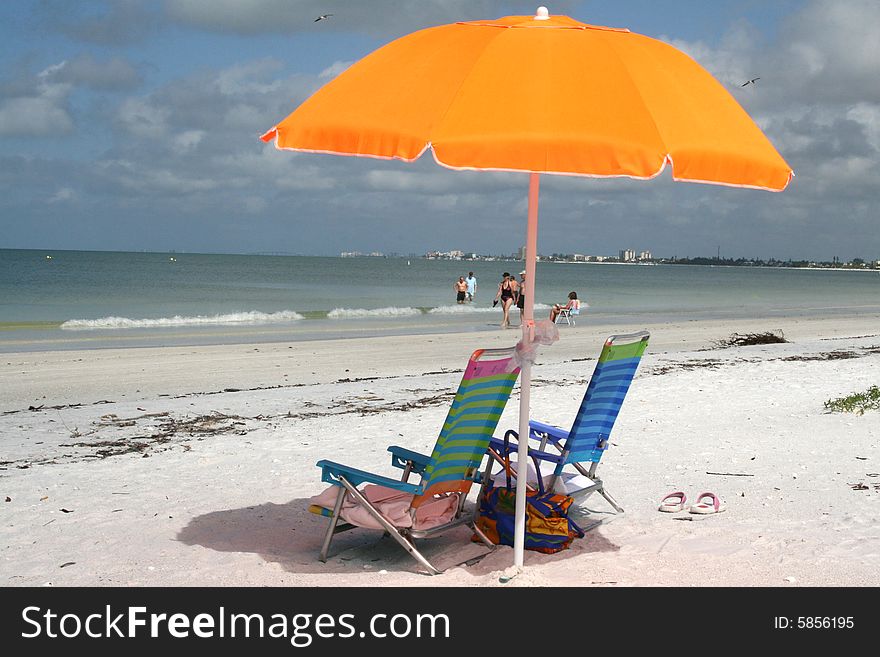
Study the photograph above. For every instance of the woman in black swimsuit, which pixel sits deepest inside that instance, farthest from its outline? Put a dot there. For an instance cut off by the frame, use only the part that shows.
(506, 294)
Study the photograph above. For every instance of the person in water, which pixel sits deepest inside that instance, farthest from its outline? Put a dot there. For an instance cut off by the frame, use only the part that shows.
(506, 295)
(521, 296)
(460, 287)
(471, 286)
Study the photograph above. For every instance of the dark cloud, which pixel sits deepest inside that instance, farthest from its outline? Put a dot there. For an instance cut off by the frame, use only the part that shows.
(106, 22)
(38, 104)
(376, 17)
(36, 107)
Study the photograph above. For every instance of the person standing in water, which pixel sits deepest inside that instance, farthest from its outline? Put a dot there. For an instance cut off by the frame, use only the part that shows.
(521, 297)
(460, 288)
(506, 293)
(471, 286)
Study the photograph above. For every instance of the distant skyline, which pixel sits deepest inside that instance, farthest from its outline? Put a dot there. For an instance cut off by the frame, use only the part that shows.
(133, 125)
(468, 255)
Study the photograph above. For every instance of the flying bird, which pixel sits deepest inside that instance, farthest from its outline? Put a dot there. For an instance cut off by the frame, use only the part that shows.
(748, 82)
(322, 17)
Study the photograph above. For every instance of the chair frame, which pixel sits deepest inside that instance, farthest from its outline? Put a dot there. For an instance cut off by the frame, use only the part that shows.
(547, 435)
(411, 462)
(568, 315)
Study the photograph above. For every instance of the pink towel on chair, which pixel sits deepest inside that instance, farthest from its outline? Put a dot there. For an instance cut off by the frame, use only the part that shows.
(392, 504)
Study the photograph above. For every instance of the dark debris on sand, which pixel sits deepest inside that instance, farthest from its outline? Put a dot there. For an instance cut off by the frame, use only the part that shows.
(749, 339)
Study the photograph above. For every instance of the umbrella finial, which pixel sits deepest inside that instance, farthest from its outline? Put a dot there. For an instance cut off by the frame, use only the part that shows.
(542, 14)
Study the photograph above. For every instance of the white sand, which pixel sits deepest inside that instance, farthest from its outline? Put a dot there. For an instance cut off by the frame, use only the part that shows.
(228, 508)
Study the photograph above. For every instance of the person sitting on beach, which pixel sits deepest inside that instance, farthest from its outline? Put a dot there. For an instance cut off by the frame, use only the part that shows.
(460, 288)
(573, 304)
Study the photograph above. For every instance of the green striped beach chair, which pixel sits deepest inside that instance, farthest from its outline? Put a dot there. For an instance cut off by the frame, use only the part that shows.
(409, 511)
(582, 446)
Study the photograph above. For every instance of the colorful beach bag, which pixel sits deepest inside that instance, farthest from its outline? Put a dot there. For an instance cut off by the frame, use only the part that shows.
(548, 527)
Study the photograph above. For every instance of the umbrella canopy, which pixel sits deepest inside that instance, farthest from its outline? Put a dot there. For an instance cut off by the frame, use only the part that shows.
(538, 94)
(547, 96)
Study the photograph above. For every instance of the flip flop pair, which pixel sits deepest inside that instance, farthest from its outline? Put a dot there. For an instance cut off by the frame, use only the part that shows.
(677, 501)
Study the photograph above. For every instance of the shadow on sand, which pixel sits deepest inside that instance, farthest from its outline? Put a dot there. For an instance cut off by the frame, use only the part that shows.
(287, 534)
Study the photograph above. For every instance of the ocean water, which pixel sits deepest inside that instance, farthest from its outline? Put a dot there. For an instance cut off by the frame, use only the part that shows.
(83, 299)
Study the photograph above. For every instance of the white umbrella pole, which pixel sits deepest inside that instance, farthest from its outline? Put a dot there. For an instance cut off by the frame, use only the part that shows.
(519, 534)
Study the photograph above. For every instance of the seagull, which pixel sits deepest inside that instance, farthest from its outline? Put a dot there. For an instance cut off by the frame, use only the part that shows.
(322, 17)
(748, 82)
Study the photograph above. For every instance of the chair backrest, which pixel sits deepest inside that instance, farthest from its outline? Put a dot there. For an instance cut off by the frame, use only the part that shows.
(473, 416)
(588, 437)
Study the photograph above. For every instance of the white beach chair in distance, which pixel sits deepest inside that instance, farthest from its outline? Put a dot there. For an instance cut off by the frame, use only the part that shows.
(568, 315)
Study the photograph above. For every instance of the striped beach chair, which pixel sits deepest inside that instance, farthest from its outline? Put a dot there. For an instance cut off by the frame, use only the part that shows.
(582, 446)
(409, 511)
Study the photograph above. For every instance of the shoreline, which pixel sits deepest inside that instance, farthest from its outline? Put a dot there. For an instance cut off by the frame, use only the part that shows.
(479, 321)
(192, 466)
(76, 376)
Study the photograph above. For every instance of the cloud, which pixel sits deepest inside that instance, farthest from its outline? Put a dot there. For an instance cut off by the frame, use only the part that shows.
(238, 103)
(188, 149)
(115, 74)
(376, 17)
(105, 22)
(63, 194)
(187, 140)
(33, 117)
(333, 70)
(833, 50)
(38, 107)
(142, 118)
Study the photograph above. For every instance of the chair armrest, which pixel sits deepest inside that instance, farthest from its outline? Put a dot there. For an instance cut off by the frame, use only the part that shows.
(535, 453)
(330, 473)
(401, 457)
(554, 434)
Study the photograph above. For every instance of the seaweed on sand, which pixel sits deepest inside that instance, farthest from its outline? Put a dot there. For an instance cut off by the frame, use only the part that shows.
(749, 339)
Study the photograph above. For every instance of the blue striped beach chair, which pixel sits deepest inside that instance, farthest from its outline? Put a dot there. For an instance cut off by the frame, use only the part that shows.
(582, 446)
(446, 475)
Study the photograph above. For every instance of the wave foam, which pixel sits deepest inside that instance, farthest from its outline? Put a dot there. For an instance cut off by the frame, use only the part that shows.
(460, 308)
(391, 311)
(252, 317)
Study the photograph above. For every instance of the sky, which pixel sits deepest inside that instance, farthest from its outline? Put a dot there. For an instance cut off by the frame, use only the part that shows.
(132, 125)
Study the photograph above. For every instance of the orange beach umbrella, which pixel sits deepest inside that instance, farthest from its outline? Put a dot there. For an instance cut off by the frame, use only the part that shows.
(537, 94)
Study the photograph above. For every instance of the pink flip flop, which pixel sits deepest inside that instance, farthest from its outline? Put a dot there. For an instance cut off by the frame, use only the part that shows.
(708, 503)
(673, 503)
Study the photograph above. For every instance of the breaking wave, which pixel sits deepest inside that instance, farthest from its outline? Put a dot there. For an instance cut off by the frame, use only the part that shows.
(353, 313)
(462, 308)
(252, 317)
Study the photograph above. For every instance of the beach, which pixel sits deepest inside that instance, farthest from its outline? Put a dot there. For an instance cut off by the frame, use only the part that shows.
(193, 465)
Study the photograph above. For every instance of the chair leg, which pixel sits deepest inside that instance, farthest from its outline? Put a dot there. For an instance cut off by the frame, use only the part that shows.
(611, 500)
(391, 529)
(340, 497)
(482, 536)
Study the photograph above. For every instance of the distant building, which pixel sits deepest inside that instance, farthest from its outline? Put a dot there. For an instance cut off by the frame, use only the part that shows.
(645, 255)
(444, 255)
(627, 255)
